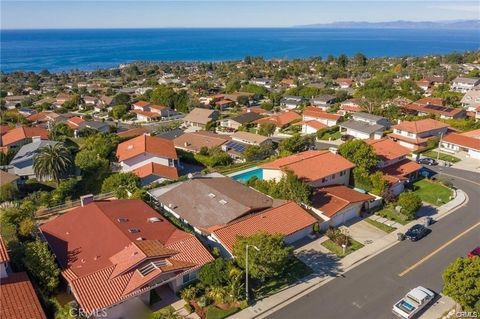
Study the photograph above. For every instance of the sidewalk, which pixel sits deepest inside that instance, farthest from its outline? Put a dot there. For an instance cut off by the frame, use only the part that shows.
(275, 302)
(439, 309)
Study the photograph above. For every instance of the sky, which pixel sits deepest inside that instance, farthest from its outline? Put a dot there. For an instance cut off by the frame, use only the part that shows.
(42, 14)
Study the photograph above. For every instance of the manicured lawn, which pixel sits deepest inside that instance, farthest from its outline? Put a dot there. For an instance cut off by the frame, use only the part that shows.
(443, 156)
(217, 313)
(338, 250)
(432, 192)
(389, 212)
(385, 228)
(295, 270)
(333, 136)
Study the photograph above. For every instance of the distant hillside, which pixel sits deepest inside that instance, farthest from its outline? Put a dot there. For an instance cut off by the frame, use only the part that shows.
(453, 24)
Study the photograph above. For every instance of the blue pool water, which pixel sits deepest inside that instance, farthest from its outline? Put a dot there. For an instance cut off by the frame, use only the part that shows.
(245, 176)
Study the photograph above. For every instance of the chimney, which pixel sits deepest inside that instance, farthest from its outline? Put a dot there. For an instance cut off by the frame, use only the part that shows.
(86, 199)
(36, 139)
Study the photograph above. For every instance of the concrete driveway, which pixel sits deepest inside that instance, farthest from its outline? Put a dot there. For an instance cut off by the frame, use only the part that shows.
(363, 232)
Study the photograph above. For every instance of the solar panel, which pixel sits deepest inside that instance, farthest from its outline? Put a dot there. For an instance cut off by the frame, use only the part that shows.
(236, 146)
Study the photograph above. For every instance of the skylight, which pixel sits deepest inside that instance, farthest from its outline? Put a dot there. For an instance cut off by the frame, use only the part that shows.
(134, 230)
(122, 219)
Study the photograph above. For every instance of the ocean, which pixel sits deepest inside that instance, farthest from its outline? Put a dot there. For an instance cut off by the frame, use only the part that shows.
(89, 49)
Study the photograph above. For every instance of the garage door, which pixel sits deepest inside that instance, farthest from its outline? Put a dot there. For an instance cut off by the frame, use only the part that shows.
(341, 218)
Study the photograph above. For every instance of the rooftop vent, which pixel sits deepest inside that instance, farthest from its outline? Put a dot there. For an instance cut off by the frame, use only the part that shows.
(133, 230)
(154, 219)
(148, 268)
(222, 201)
(211, 195)
(130, 147)
(140, 238)
(122, 220)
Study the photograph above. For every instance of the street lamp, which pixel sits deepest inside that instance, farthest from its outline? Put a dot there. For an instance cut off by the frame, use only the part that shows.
(246, 267)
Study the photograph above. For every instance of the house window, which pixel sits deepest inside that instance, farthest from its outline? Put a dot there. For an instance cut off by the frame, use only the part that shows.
(333, 176)
(410, 134)
(324, 180)
(342, 173)
(186, 279)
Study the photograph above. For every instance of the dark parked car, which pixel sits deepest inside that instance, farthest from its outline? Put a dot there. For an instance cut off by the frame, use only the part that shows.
(474, 253)
(428, 161)
(417, 232)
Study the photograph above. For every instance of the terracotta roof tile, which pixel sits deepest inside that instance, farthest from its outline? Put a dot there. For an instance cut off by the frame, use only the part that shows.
(420, 126)
(285, 220)
(153, 168)
(280, 119)
(311, 165)
(20, 133)
(318, 113)
(146, 144)
(4, 257)
(402, 168)
(102, 246)
(332, 199)
(387, 150)
(463, 140)
(18, 299)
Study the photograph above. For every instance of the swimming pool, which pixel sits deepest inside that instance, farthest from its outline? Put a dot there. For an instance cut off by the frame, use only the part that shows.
(244, 176)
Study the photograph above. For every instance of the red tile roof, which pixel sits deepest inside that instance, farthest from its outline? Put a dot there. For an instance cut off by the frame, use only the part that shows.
(18, 299)
(314, 124)
(420, 126)
(433, 106)
(152, 168)
(75, 121)
(4, 129)
(134, 132)
(141, 103)
(285, 219)
(20, 133)
(318, 113)
(463, 140)
(147, 113)
(96, 245)
(146, 144)
(402, 169)
(387, 150)
(333, 199)
(42, 116)
(281, 119)
(311, 165)
(4, 258)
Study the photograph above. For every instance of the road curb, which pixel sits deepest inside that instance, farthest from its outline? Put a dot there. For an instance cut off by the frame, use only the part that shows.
(305, 291)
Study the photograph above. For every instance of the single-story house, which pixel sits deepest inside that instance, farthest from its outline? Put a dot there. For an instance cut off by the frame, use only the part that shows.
(288, 219)
(280, 120)
(328, 119)
(194, 141)
(291, 102)
(434, 106)
(463, 84)
(114, 253)
(22, 135)
(200, 117)
(22, 162)
(323, 102)
(207, 204)
(467, 142)
(338, 204)
(234, 123)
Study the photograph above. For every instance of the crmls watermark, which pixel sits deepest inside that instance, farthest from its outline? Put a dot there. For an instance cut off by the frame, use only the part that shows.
(80, 313)
(467, 314)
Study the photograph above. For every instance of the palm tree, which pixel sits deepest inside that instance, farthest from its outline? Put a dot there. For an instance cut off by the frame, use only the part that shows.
(52, 161)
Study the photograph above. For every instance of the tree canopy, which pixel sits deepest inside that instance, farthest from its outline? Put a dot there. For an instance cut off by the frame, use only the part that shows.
(270, 261)
(462, 284)
(41, 265)
(52, 162)
(121, 184)
(359, 153)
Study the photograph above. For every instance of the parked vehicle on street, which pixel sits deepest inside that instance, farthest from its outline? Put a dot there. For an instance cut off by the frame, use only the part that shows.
(427, 161)
(413, 302)
(417, 232)
(474, 253)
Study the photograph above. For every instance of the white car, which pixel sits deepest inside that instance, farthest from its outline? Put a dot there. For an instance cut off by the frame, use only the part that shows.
(413, 302)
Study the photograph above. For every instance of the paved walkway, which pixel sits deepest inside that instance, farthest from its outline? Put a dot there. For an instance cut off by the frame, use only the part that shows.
(385, 221)
(334, 268)
(439, 309)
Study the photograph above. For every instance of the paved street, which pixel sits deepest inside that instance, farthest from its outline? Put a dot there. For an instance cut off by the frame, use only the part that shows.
(370, 289)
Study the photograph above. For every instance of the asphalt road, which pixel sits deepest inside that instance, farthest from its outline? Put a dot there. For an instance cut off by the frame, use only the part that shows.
(370, 289)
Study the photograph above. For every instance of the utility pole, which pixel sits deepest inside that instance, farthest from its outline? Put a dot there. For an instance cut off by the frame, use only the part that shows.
(439, 146)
